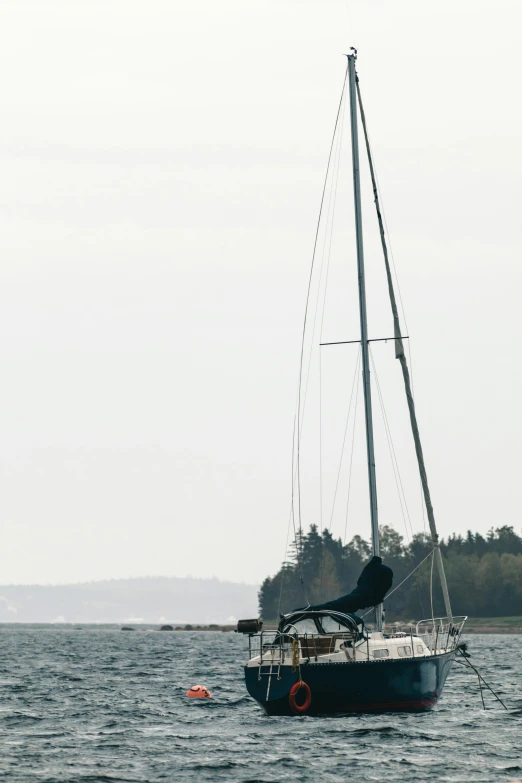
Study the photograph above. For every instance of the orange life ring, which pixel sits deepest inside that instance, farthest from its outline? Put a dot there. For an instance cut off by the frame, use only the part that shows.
(296, 687)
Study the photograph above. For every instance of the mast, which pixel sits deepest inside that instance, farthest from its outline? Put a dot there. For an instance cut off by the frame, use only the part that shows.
(401, 356)
(363, 318)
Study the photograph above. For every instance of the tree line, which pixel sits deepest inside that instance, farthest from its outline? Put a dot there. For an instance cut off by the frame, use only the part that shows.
(484, 573)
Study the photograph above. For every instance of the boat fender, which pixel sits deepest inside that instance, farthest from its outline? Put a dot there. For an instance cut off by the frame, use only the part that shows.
(299, 709)
(249, 626)
(198, 692)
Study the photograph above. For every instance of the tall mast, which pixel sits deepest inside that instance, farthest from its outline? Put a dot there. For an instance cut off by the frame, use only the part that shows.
(364, 325)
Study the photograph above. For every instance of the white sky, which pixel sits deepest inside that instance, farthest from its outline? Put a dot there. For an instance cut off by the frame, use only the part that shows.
(161, 165)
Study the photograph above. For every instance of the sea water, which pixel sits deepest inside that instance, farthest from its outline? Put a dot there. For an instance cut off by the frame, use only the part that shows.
(98, 704)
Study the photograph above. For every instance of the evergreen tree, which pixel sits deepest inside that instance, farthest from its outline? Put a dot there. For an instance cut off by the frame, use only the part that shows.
(484, 574)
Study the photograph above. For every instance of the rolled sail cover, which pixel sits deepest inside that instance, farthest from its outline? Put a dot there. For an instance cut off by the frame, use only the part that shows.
(373, 584)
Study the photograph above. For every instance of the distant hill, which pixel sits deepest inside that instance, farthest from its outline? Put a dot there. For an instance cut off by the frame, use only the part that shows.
(147, 599)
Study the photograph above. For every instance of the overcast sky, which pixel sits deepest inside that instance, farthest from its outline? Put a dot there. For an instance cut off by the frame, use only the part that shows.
(161, 166)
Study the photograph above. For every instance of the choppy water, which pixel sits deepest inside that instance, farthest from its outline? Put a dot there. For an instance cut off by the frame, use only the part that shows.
(102, 705)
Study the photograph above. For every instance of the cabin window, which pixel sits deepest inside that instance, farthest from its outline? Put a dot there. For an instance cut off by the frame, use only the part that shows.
(381, 654)
(304, 626)
(332, 626)
(420, 648)
(404, 651)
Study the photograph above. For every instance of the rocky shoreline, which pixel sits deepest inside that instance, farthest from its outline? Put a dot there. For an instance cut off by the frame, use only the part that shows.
(473, 626)
(186, 627)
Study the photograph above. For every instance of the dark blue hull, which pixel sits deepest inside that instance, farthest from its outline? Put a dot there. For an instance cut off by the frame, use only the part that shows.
(407, 684)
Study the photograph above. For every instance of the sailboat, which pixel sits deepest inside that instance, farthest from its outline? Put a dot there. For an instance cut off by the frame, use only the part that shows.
(321, 660)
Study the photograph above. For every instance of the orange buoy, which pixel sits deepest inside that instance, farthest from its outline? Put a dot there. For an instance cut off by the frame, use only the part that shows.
(299, 709)
(198, 692)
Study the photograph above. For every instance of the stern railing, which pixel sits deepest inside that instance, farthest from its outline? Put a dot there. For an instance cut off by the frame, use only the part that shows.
(275, 647)
(440, 634)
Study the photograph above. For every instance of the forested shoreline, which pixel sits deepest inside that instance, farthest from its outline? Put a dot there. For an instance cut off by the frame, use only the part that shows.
(484, 573)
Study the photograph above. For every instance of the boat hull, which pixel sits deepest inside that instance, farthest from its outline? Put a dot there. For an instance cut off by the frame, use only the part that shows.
(405, 685)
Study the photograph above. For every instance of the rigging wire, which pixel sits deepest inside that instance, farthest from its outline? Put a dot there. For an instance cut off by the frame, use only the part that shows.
(395, 465)
(350, 474)
(395, 274)
(400, 354)
(290, 519)
(298, 543)
(383, 213)
(336, 159)
(404, 580)
(481, 679)
(431, 585)
(296, 440)
(355, 378)
(410, 574)
(393, 456)
(328, 234)
(297, 428)
(321, 473)
(283, 568)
